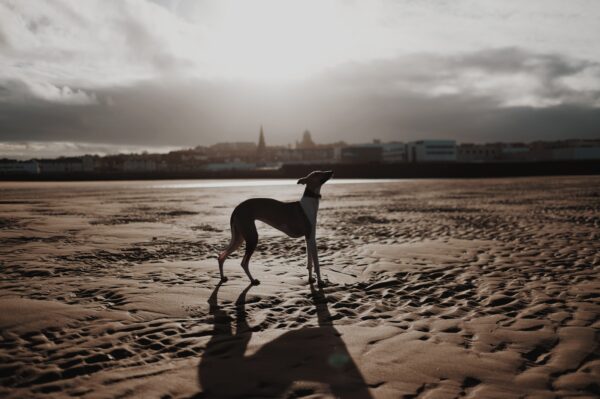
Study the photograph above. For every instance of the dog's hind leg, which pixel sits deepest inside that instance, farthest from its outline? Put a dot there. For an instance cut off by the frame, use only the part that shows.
(312, 245)
(234, 243)
(251, 236)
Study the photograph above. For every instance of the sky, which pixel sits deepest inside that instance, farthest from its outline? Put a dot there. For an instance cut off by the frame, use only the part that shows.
(97, 76)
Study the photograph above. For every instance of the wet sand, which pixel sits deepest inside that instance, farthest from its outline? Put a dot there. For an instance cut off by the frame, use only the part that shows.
(436, 289)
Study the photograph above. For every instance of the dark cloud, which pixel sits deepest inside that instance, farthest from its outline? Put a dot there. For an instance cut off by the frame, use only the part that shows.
(468, 72)
(390, 100)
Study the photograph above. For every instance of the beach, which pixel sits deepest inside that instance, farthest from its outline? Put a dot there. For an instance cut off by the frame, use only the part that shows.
(435, 288)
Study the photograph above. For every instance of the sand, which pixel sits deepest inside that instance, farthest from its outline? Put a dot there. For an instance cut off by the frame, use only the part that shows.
(436, 289)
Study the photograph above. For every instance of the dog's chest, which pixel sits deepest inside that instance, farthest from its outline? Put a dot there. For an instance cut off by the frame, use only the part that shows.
(310, 206)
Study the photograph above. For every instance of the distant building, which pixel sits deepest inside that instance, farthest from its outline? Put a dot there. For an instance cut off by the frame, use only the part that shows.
(361, 153)
(258, 156)
(468, 152)
(575, 153)
(315, 155)
(515, 152)
(233, 152)
(307, 141)
(431, 151)
(224, 166)
(566, 150)
(285, 155)
(393, 152)
(238, 147)
(111, 163)
(139, 164)
(14, 167)
(87, 163)
(197, 154)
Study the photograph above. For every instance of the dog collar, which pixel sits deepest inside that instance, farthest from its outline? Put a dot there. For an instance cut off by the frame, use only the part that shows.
(308, 193)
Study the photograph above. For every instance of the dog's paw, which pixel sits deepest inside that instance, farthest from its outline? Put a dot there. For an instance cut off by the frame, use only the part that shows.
(311, 280)
(255, 282)
(224, 279)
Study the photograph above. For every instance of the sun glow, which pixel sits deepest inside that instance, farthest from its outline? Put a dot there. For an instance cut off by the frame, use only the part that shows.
(271, 40)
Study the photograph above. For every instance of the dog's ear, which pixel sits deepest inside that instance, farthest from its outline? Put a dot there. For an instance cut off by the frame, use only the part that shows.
(302, 181)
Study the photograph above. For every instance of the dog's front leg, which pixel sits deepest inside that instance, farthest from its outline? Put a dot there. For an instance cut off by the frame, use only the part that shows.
(309, 261)
(312, 244)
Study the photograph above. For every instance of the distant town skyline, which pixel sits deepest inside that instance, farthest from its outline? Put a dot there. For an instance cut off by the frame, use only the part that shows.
(109, 77)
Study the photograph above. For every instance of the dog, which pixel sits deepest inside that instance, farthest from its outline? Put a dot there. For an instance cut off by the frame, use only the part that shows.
(296, 219)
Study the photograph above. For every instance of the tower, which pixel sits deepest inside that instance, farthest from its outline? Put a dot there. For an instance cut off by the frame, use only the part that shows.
(307, 141)
(261, 141)
(262, 147)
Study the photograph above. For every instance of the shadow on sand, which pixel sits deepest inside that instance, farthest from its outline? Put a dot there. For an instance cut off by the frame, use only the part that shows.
(297, 363)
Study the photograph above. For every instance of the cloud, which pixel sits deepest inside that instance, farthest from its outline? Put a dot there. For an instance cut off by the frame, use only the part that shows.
(63, 95)
(179, 73)
(32, 93)
(33, 149)
(396, 99)
(512, 76)
(92, 44)
(99, 44)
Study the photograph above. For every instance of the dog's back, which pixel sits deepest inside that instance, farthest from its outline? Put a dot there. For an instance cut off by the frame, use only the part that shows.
(287, 217)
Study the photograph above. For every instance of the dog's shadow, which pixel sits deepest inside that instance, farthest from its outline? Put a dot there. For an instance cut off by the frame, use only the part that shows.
(291, 365)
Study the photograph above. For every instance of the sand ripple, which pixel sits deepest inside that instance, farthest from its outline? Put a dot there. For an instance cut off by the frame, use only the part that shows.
(437, 289)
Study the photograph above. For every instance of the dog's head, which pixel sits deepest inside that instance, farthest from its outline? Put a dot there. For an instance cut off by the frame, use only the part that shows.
(316, 179)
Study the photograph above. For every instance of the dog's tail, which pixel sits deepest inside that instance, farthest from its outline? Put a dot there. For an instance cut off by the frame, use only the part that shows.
(234, 234)
(234, 242)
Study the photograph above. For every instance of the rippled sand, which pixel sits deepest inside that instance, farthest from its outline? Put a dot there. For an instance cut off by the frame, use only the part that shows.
(437, 289)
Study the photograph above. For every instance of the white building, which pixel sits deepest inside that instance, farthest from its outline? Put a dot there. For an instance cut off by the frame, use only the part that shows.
(431, 151)
(393, 152)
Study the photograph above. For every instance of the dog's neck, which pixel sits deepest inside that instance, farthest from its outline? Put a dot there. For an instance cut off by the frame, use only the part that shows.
(312, 193)
(310, 204)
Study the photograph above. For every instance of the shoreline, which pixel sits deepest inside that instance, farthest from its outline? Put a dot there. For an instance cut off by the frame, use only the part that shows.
(350, 171)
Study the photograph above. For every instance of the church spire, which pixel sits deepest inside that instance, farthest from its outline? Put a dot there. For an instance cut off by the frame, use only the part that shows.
(261, 142)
